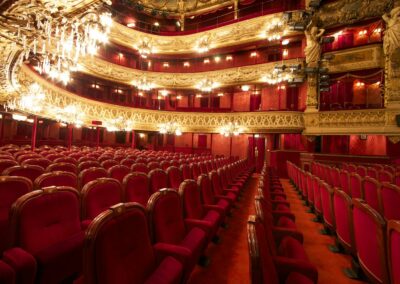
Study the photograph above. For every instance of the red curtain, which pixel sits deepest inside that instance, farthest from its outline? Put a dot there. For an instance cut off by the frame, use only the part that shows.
(202, 141)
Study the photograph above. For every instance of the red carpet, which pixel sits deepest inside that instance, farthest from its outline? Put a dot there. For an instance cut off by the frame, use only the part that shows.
(230, 258)
(330, 265)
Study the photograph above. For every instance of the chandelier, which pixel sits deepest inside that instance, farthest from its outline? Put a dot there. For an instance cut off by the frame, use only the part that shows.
(283, 73)
(32, 101)
(207, 85)
(275, 30)
(51, 41)
(119, 124)
(70, 114)
(144, 49)
(143, 84)
(170, 128)
(231, 129)
(203, 45)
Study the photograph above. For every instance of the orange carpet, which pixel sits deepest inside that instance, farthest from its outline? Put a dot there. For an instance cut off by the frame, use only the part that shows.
(330, 265)
(229, 260)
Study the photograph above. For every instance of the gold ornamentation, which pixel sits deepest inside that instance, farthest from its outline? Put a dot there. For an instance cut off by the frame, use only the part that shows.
(394, 139)
(231, 76)
(313, 47)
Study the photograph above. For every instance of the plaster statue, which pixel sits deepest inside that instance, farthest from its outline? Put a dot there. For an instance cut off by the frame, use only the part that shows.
(313, 48)
(391, 40)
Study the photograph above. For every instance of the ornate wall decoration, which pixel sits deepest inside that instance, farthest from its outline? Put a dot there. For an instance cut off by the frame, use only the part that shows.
(194, 6)
(379, 121)
(347, 12)
(358, 58)
(233, 34)
(149, 119)
(225, 77)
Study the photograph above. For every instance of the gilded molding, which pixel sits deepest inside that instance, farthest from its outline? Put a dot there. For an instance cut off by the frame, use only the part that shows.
(378, 121)
(225, 77)
(357, 58)
(228, 35)
(347, 12)
(253, 122)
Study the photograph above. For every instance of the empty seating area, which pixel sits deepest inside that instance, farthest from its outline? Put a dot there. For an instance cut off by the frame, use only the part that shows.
(61, 209)
(359, 207)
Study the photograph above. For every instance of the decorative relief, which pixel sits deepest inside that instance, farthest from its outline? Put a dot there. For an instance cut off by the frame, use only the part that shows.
(379, 121)
(347, 12)
(358, 58)
(150, 119)
(225, 77)
(229, 35)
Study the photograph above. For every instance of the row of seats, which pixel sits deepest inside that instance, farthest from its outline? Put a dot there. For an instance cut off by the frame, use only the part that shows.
(275, 245)
(47, 238)
(369, 232)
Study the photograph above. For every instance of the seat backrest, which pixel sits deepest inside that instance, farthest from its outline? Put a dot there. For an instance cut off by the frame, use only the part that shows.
(371, 191)
(186, 172)
(98, 195)
(135, 188)
(65, 167)
(158, 180)
(216, 183)
(66, 160)
(154, 165)
(203, 168)
(29, 171)
(165, 165)
(88, 164)
(127, 162)
(58, 178)
(385, 176)
(6, 163)
(89, 175)
(370, 235)
(140, 167)
(195, 169)
(342, 208)
(191, 197)
(393, 250)
(11, 188)
(345, 181)
(327, 204)
(335, 177)
(43, 218)
(174, 177)
(371, 172)
(389, 201)
(27, 156)
(262, 267)
(166, 216)
(118, 172)
(362, 171)
(130, 258)
(109, 163)
(355, 182)
(206, 191)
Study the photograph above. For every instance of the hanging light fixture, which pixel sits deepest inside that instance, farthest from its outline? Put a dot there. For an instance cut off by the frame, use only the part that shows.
(231, 129)
(144, 48)
(207, 85)
(143, 84)
(32, 101)
(119, 124)
(275, 30)
(170, 128)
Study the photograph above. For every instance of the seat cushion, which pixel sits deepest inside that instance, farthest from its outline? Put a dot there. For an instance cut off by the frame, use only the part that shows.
(292, 248)
(286, 222)
(297, 278)
(61, 260)
(168, 272)
(213, 217)
(194, 241)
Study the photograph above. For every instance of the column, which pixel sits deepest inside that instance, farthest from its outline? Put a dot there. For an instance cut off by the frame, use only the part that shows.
(34, 131)
(98, 137)
(69, 136)
(133, 145)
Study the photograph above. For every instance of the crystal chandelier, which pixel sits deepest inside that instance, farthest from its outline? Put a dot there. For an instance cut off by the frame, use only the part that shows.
(275, 30)
(119, 124)
(51, 41)
(231, 129)
(207, 85)
(170, 128)
(143, 84)
(32, 101)
(144, 49)
(203, 45)
(71, 115)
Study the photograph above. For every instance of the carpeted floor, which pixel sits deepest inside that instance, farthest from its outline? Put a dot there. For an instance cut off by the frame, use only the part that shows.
(330, 265)
(230, 258)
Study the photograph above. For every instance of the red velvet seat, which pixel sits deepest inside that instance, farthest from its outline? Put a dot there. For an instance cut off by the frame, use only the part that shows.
(355, 182)
(170, 231)
(139, 167)
(372, 173)
(154, 165)
(89, 175)
(370, 240)
(158, 180)
(195, 214)
(275, 219)
(309, 188)
(98, 195)
(27, 156)
(109, 163)
(135, 188)
(128, 162)
(389, 201)
(361, 171)
(41, 162)
(327, 205)
(385, 176)
(393, 250)
(265, 267)
(131, 258)
(203, 168)
(5, 164)
(335, 177)
(174, 177)
(165, 165)
(65, 167)
(317, 183)
(29, 171)
(186, 172)
(210, 201)
(58, 178)
(345, 181)
(104, 158)
(343, 206)
(53, 156)
(46, 224)
(371, 191)
(219, 191)
(195, 169)
(87, 165)
(118, 172)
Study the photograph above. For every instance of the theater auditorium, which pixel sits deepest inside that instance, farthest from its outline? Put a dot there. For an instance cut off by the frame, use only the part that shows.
(199, 141)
